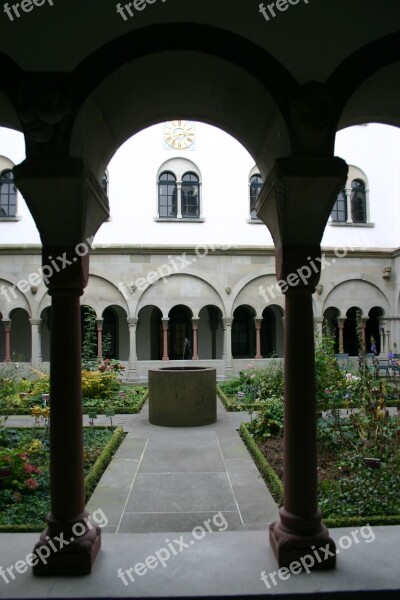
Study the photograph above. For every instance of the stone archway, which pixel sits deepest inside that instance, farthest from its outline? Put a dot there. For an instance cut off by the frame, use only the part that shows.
(75, 118)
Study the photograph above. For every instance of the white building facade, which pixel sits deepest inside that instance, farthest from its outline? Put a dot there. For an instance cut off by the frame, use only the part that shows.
(184, 256)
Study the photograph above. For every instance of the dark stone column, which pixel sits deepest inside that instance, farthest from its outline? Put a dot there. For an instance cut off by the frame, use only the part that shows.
(68, 517)
(71, 542)
(295, 204)
(300, 529)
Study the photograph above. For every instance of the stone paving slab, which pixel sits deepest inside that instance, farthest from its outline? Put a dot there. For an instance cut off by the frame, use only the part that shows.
(170, 478)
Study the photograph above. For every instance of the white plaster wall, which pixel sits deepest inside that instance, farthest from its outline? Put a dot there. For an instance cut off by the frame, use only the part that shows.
(375, 149)
(225, 167)
(23, 231)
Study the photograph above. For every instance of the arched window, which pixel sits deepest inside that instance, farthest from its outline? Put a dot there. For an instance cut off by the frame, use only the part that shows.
(358, 202)
(167, 194)
(190, 196)
(256, 184)
(339, 211)
(104, 183)
(8, 194)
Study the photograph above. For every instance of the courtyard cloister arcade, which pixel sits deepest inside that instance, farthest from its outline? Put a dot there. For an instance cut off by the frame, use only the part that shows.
(284, 103)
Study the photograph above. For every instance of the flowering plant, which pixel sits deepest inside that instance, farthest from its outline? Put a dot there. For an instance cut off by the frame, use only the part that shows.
(109, 364)
(18, 471)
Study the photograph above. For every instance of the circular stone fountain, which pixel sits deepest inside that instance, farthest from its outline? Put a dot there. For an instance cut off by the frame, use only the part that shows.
(182, 396)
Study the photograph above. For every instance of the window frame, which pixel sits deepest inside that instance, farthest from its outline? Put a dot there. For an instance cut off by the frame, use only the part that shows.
(195, 184)
(172, 198)
(9, 194)
(253, 200)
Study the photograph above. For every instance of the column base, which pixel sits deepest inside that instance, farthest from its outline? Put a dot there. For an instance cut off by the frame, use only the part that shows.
(132, 375)
(68, 555)
(318, 551)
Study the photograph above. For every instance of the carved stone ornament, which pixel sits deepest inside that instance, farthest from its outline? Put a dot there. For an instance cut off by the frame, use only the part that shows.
(311, 114)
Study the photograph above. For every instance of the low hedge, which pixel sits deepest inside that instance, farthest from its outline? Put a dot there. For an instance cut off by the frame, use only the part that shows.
(272, 480)
(91, 479)
(234, 406)
(95, 473)
(119, 410)
(275, 486)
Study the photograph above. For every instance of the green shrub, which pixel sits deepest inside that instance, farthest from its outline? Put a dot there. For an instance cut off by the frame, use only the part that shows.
(269, 421)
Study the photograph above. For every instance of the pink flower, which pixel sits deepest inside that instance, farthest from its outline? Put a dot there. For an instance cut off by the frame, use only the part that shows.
(31, 469)
(31, 483)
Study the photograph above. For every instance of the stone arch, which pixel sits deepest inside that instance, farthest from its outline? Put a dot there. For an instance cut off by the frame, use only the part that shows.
(258, 289)
(100, 293)
(376, 66)
(352, 290)
(189, 288)
(113, 106)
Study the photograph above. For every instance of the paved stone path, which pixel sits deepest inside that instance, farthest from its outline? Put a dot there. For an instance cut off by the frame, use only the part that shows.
(174, 479)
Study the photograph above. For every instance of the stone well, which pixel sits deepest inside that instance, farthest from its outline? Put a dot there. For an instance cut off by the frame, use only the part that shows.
(182, 396)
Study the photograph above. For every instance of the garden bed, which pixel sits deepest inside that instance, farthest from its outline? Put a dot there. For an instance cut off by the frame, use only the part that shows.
(25, 495)
(349, 492)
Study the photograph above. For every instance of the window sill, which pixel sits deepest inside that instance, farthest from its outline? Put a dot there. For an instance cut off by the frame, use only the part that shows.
(255, 222)
(334, 224)
(11, 219)
(176, 220)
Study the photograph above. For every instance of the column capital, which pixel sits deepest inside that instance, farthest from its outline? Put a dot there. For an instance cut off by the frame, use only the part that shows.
(227, 321)
(7, 323)
(294, 191)
(132, 321)
(35, 321)
(195, 322)
(82, 205)
(65, 272)
(258, 321)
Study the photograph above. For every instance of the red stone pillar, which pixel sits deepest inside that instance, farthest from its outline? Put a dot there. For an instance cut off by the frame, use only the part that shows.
(295, 202)
(67, 516)
(99, 323)
(258, 337)
(7, 341)
(81, 206)
(340, 323)
(363, 335)
(300, 526)
(165, 339)
(195, 323)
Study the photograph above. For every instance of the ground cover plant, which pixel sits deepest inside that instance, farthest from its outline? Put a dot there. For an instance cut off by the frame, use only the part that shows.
(253, 387)
(24, 472)
(358, 442)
